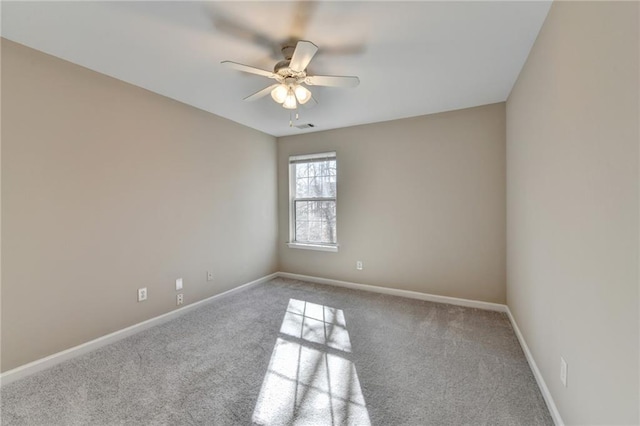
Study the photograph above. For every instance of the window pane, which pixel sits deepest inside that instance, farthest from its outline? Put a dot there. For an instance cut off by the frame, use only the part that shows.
(302, 187)
(302, 231)
(315, 179)
(313, 169)
(315, 231)
(316, 221)
(302, 170)
(302, 211)
(332, 168)
(330, 187)
(315, 186)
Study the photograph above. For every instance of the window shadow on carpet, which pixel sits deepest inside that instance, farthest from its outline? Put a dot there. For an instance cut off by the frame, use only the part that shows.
(311, 378)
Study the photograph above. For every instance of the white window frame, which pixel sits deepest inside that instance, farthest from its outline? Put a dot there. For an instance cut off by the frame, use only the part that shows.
(292, 212)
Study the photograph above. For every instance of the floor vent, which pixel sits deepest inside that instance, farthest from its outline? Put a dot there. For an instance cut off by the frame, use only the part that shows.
(305, 126)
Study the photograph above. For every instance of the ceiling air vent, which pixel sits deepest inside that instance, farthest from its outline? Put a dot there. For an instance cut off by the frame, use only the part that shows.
(305, 126)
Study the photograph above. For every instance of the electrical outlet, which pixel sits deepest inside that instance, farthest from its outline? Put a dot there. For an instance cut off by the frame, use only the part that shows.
(179, 284)
(180, 299)
(209, 276)
(564, 370)
(359, 265)
(142, 294)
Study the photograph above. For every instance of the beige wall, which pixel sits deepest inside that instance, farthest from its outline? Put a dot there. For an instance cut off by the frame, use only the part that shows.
(572, 197)
(421, 202)
(107, 187)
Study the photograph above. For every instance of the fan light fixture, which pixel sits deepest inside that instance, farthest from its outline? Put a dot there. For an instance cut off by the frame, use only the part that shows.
(279, 94)
(290, 100)
(291, 95)
(302, 94)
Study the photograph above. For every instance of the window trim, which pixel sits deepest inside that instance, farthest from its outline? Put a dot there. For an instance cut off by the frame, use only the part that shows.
(318, 247)
(308, 158)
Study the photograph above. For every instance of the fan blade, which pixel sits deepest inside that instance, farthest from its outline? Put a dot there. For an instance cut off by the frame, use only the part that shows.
(247, 68)
(302, 55)
(240, 29)
(303, 12)
(344, 49)
(332, 81)
(261, 93)
(241, 32)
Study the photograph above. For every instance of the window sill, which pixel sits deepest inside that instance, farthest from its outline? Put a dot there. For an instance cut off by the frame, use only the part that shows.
(318, 247)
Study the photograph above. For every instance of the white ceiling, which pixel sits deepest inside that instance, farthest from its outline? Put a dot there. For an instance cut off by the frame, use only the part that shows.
(413, 58)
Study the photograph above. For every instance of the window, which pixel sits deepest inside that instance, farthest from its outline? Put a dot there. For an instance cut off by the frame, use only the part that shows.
(312, 199)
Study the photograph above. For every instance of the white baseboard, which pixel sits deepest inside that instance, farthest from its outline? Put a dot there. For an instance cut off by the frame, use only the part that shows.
(555, 414)
(488, 306)
(54, 359)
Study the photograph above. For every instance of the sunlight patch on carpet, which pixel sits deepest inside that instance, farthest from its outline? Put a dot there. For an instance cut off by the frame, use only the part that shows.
(310, 379)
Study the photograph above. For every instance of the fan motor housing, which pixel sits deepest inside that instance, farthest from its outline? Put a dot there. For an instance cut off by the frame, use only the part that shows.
(283, 70)
(288, 49)
(281, 66)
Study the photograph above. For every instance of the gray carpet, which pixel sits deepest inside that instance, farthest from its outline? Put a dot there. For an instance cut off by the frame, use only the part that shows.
(288, 352)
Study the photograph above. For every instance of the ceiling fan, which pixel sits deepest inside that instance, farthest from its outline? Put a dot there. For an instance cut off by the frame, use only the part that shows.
(291, 75)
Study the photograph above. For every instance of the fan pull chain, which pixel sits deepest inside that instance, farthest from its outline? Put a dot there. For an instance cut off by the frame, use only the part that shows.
(291, 117)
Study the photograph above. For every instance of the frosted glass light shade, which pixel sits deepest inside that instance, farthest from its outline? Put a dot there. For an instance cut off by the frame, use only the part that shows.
(290, 101)
(279, 94)
(302, 94)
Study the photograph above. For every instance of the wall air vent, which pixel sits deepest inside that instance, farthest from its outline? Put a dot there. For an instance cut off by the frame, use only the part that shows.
(305, 126)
